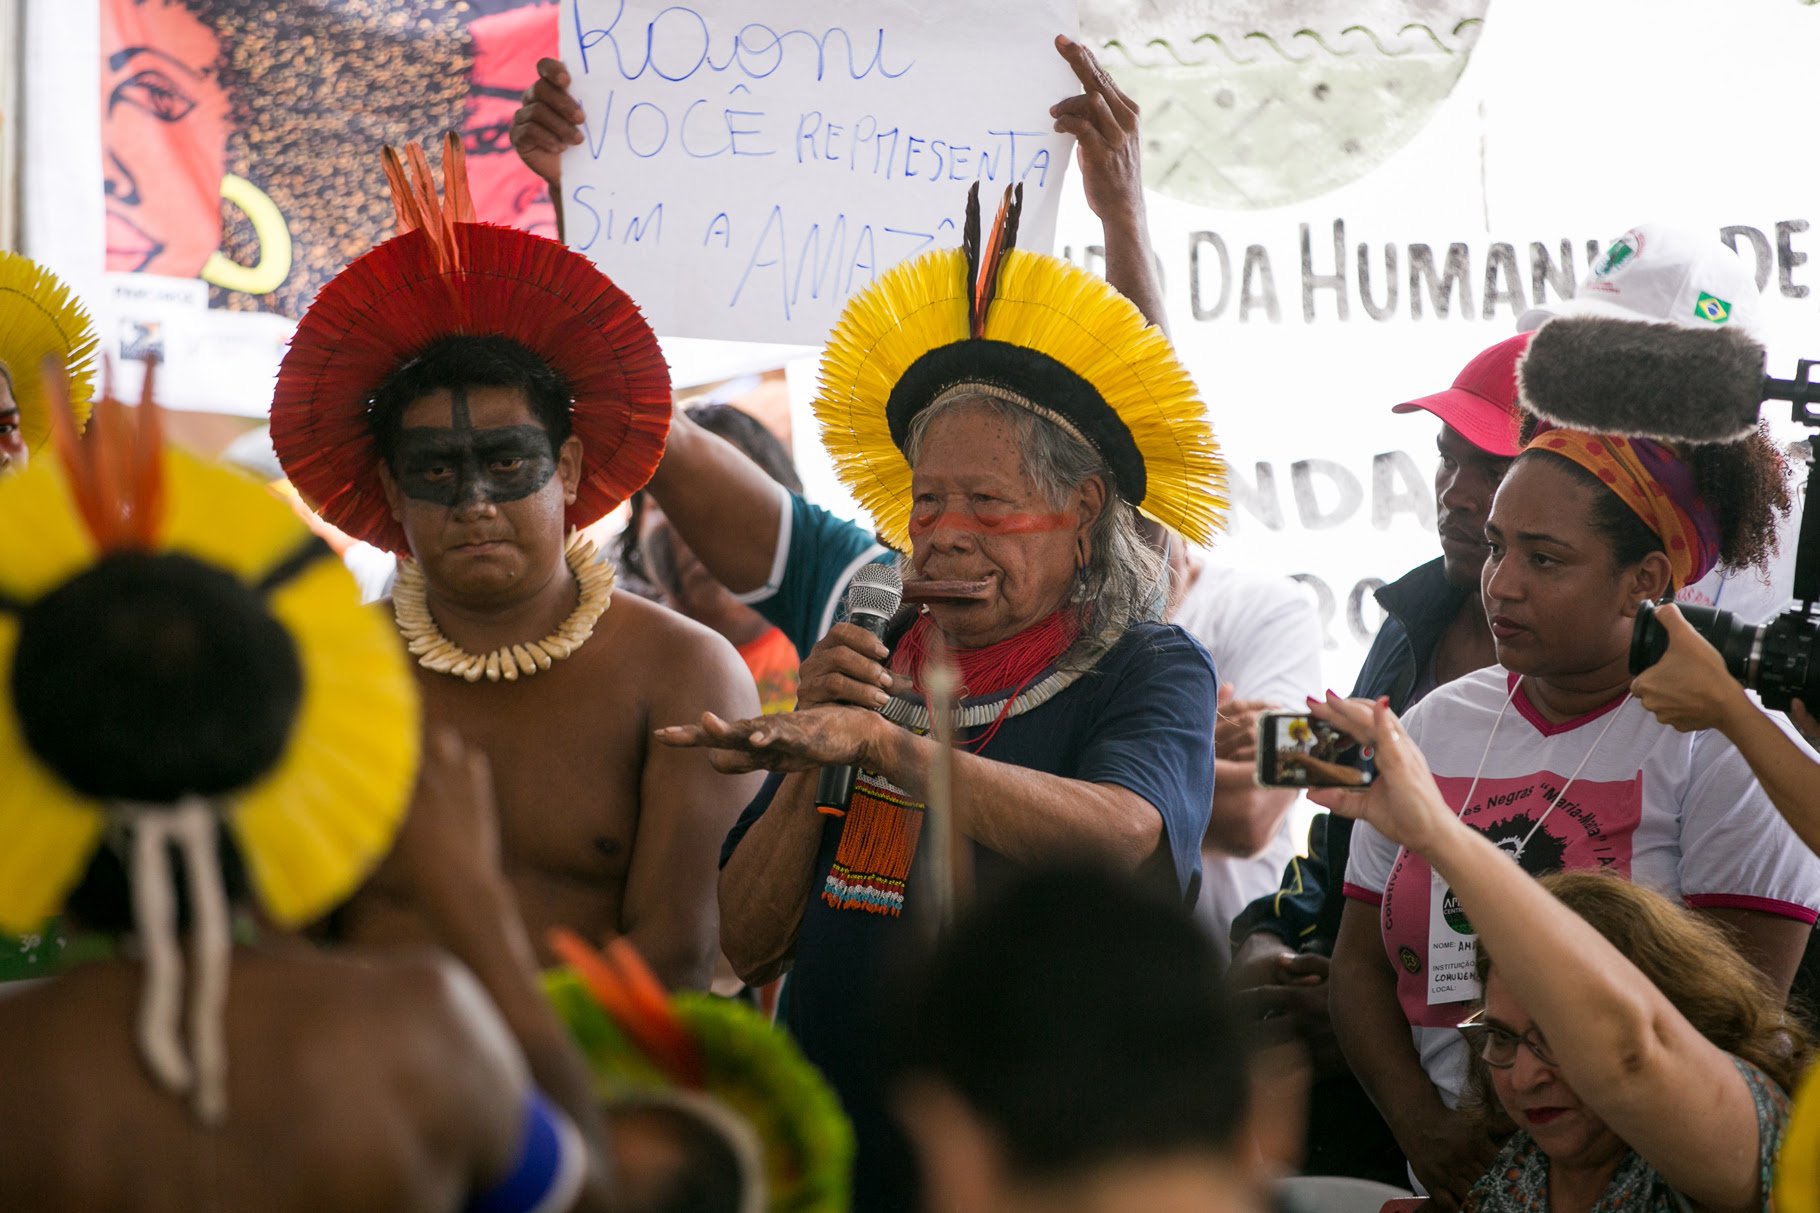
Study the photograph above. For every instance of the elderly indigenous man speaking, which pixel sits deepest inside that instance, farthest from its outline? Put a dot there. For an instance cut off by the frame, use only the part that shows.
(470, 394)
(1002, 415)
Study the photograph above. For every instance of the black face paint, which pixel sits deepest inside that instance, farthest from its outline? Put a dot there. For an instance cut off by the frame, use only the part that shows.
(461, 464)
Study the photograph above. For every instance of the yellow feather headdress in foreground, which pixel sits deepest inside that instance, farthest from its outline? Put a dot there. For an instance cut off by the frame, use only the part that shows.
(182, 657)
(39, 319)
(1035, 330)
(312, 824)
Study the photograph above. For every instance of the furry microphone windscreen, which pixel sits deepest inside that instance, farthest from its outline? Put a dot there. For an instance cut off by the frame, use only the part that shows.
(1638, 379)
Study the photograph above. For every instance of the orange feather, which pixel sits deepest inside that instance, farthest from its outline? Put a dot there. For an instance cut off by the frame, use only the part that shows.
(116, 473)
(631, 995)
(423, 187)
(599, 978)
(457, 198)
(400, 186)
(651, 999)
(76, 466)
(415, 203)
(990, 257)
(148, 464)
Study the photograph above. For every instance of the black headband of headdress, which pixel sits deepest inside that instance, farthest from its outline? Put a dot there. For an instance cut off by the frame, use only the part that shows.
(1036, 381)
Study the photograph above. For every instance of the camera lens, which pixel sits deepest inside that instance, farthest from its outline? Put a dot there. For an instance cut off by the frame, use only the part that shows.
(1775, 659)
(1736, 642)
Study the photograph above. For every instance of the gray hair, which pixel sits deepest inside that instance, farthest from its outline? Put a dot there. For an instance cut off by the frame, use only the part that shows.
(1125, 581)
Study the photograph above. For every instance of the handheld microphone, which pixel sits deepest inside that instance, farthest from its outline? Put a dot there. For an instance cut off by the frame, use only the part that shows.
(1637, 378)
(873, 597)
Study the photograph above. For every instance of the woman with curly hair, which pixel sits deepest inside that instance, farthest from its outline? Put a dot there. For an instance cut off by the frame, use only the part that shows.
(1549, 756)
(1646, 1064)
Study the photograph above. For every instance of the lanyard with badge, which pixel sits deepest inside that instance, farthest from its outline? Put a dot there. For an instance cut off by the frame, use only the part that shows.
(1453, 945)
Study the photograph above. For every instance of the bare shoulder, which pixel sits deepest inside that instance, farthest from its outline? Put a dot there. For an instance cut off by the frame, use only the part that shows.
(447, 1045)
(398, 1070)
(686, 656)
(445, 1008)
(418, 1016)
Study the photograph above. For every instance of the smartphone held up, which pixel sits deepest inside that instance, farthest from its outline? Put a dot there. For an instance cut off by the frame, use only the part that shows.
(1297, 751)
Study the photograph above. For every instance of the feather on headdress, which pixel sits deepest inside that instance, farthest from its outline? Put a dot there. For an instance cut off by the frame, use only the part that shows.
(40, 319)
(445, 275)
(1031, 329)
(312, 795)
(639, 1040)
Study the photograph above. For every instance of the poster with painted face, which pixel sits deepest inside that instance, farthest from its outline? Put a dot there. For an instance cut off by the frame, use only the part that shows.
(240, 166)
(506, 48)
(165, 113)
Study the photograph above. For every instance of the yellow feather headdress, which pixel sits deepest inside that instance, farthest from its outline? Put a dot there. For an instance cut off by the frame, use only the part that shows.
(40, 319)
(180, 655)
(321, 815)
(1031, 329)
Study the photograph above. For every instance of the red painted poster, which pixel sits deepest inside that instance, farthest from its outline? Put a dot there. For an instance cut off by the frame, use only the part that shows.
(240, 148)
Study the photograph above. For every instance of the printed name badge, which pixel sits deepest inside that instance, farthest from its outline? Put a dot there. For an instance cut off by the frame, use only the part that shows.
(1453, 948)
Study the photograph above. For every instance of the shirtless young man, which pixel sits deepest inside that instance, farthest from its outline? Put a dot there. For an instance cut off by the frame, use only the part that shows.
(478, 452)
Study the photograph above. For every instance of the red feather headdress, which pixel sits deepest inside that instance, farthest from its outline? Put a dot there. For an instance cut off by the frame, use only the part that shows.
(444, 275)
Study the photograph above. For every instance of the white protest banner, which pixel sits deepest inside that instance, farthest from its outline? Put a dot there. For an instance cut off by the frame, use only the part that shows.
(747, 168)
(1523, 145)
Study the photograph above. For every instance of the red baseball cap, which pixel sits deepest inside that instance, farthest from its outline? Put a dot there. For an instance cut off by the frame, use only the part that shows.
(1482, 403)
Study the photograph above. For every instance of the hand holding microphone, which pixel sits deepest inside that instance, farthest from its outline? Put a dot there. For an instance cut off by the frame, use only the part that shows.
(847, 667)
(844, 670)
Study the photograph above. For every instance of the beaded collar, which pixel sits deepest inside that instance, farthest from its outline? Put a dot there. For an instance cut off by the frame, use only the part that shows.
(912, 712)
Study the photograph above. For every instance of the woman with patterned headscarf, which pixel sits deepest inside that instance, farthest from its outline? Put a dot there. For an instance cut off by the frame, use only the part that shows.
(1550, 756)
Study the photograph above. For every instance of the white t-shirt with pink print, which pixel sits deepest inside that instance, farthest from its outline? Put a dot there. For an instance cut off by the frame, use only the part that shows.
(1678, 812)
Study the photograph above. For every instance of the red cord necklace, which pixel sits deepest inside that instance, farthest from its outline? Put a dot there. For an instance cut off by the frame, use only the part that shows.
(1003, 668)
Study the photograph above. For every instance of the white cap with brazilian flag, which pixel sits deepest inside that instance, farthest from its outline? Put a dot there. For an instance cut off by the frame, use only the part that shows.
(1667, 275)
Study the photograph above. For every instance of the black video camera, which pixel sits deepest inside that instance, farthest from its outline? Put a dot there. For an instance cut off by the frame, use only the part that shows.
(1775, 659)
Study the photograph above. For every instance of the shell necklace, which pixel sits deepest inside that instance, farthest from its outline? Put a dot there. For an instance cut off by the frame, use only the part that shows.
(434, 651)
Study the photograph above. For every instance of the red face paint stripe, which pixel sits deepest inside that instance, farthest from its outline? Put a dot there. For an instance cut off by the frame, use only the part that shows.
(1008, 524)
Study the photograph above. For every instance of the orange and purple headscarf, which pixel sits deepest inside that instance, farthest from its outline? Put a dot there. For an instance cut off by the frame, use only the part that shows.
(1657, 486)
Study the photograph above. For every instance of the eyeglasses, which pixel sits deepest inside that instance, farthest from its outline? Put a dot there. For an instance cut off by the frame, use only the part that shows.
(1498, 1044)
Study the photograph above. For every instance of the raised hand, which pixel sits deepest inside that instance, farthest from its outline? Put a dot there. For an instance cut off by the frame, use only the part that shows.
(548, 122)
(450, 839)
(1104, 123)
(1402, 803)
